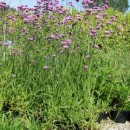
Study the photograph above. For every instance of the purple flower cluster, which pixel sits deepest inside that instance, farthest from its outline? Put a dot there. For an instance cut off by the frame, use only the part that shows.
(67, 18)
(107, 33)
(3, 5)
(65, 44)
(30, 18)
(78, 17)
(92, 32)
(87, 2)
(48, 15)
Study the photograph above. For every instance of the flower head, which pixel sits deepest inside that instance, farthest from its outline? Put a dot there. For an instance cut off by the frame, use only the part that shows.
(92, 32)
(88, 56)
(65, 46)
(107, 33)
(77, 0)
(6, 44)
(46, 67)
(68, 41)
(53, 36)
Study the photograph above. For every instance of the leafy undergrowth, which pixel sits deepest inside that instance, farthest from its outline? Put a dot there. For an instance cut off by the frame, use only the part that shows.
(59, 69)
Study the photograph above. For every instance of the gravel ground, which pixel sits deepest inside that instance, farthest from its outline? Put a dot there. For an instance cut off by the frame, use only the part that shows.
(111, 125)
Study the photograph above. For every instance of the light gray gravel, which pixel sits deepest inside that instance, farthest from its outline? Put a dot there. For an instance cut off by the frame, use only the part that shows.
(111, 125)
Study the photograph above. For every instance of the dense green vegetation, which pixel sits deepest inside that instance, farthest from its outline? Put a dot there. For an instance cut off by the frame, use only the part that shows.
(120, 5)
(63, 68)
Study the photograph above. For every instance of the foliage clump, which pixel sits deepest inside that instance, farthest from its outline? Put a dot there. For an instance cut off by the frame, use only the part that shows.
(62, 68)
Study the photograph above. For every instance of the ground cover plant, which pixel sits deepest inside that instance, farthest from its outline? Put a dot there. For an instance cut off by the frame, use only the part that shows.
(60, 68)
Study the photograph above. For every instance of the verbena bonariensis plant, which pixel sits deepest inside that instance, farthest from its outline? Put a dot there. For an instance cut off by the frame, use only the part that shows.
(63, 67)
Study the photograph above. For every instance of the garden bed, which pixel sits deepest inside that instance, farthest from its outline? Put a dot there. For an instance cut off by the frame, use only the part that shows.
(61, 69)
